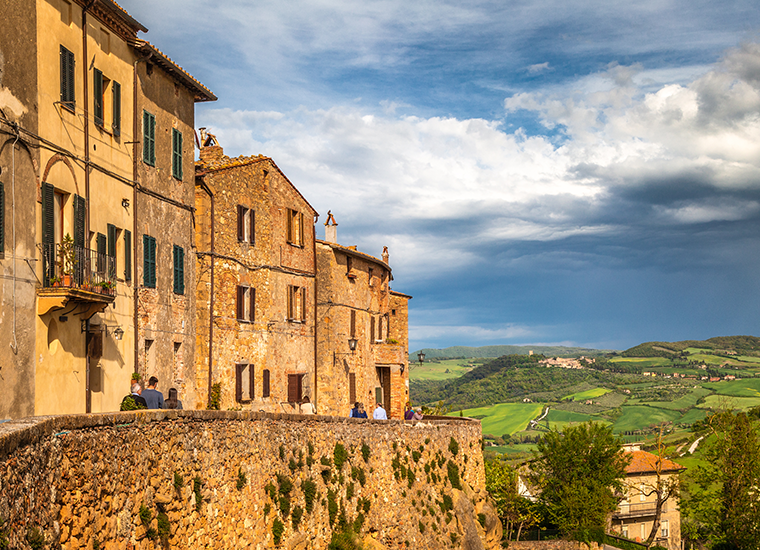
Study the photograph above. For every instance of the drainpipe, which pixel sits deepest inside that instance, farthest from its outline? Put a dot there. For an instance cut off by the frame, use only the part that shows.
(316, 282)
(211, 297)
(14, 345)
(135, 284)
(88, 393)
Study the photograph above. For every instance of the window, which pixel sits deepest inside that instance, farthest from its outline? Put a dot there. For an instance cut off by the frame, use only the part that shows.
(353, 324)
(150, 356)
(176, 153)
(265, 383)
(127, 255)
(244, 382)
(97, 97)
(624, 532)
(296, 304)
(295, 227)
(295, 388)
(113, 237)
(352, 387)
(664, 528)
(370, 277)
(179, 269)
(68, 83)
(642, 493)
(246, 304)
(246, 223)
(371, 329)
(149, 138)
(116, 110)
(102, 245)
(149, 261)
(350, 268)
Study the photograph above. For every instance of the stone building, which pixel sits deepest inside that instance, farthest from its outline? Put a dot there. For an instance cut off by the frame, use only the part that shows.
(356, 308)
(255, 293)
(72, 91)
(636, 513)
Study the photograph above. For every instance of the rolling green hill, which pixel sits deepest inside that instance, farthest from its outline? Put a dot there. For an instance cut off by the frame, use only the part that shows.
(465, 352)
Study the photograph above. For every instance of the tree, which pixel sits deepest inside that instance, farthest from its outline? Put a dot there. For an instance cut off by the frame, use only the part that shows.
(725, 504)
(515, 511)
(578, 472)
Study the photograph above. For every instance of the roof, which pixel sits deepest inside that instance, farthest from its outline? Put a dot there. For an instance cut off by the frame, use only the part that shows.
(224, 163)
(178, 73)
(122, 14)
(355, 253)
(643, 462)
(396, 293)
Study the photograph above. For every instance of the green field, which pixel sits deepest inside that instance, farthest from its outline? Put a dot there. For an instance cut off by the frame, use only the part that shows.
(440, 370)
(686, 402)
(748, 387)
(730, 402)
(504, 418)
(559, 419)
(692, 416)
(642, 361)
(588, 394)
(639, 417)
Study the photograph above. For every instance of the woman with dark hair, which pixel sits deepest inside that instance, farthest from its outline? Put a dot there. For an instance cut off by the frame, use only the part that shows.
(172, 402)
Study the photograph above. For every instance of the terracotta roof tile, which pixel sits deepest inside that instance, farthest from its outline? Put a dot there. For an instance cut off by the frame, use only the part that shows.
(644, 462)
(160, 58)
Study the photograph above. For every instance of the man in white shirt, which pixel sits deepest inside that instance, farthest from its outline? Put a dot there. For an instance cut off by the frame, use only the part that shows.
(379, 413)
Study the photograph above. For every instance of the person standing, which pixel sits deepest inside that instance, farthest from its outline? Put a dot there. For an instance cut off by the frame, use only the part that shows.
(172, 402)
(379, 413)
(152, 396)
(138, 400)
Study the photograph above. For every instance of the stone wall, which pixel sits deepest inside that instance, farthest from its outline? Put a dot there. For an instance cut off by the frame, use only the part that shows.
(211, 479)
(553, 545)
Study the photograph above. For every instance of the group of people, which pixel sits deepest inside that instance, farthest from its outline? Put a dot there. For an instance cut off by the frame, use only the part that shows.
(380, 414)
(151, 398)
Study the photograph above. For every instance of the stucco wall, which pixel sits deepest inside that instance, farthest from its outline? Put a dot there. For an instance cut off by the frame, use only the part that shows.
(82, 479)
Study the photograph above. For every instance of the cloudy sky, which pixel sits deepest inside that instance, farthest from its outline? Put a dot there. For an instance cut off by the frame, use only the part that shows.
(542, 171)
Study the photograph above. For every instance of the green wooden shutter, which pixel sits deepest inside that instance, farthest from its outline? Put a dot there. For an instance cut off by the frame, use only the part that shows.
(111, 251)
(48, 201)
(176, 153)
(97, 93)
(116, 122)
(80, 213)
(102, 244)
(149, 138)
(149, 261)
(127, 255)
(2, 218)
(179, 270)
(68, 83)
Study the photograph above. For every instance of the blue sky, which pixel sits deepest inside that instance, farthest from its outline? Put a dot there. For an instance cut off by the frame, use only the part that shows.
(585, 173)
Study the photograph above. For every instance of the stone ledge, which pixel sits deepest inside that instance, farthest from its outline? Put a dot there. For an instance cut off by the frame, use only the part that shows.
(19, 433)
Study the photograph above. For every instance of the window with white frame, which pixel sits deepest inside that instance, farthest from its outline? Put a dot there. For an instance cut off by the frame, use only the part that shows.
(664, 532)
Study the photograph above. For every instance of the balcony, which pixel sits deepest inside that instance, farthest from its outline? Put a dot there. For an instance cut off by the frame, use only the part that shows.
(78, 275)
(388, 354)
(640, 510)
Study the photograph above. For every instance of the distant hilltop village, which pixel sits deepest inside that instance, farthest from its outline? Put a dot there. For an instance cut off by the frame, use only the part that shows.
(123, 259)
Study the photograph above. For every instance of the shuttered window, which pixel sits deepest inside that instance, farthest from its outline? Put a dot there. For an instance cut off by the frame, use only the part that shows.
(149, 261)
(112, 232)
(48, 233)
(244, 382)
(68, 83)
(296, 303)
(295, 388)
(149, 138)
(127, 255)
(371, 329)
(265, 383)
(101, 244)
(352, 387)
(295, 227)
(179, 270)
(246, 223)
(176, 153)
(80, 214)
(97, 97)
(246, 304)
(116, 118)
(2, 219)
(353, 324)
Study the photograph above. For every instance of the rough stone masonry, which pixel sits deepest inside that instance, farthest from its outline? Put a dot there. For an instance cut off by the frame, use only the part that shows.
(228, 479)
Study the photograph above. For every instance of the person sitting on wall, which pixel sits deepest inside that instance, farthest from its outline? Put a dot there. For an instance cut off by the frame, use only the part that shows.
(307, 407)
(172, 402)
(153, 397)
(379, 413)
(408, 412)
(134, 400)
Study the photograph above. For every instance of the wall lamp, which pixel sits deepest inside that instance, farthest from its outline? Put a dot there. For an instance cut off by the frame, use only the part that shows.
(118, 333)
(351, 345)
(421, 357)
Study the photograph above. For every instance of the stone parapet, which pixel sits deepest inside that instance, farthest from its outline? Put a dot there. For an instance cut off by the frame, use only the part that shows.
(230, 479)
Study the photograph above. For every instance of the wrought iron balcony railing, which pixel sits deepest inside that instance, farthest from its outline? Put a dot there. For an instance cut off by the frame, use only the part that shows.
(70, 266)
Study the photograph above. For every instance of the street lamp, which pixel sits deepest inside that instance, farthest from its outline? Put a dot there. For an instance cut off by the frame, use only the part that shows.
(421, 357)
(352, 344)
(118, 333)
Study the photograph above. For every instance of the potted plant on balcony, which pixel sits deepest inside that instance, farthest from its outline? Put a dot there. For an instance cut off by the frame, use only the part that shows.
(107, 287)
(67, 259)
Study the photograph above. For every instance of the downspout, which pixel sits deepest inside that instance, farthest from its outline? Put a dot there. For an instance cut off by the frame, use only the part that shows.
(14, 345)
(316, 282)
(136, 318)
(211, 297)
(88, 394)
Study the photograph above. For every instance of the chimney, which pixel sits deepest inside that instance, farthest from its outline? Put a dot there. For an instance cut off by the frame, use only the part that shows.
(211, 153)
(385, 254)
(331, 229)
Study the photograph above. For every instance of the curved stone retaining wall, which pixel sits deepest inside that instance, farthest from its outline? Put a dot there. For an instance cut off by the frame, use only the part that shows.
(211, 479)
